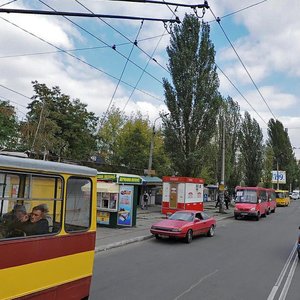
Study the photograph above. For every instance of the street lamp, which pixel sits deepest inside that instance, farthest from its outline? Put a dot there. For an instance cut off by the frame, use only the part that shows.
(152, 144)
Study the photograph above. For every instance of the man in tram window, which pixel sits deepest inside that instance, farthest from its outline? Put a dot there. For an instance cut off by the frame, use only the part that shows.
(37, 223)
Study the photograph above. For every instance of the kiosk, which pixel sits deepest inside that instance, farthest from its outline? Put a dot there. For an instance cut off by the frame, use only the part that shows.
(117, 196)
(182, 193)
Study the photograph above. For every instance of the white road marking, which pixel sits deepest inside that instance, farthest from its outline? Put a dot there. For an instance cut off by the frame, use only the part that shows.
(282, 274)
(197, 283)
(289, 279)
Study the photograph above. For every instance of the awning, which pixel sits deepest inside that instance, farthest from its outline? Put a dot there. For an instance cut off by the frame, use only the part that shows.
(148, 180)
(107, 187)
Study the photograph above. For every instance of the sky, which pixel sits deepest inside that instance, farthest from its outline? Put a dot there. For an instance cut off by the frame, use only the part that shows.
(257, 47)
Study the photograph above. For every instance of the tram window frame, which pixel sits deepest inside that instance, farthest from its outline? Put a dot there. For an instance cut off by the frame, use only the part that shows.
(75, 227)
(21, 188)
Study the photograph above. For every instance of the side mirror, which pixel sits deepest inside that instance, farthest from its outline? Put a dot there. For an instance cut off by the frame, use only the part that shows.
(197, 220)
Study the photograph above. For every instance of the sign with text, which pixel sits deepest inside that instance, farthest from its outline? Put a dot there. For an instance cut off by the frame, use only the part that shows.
(278, 176)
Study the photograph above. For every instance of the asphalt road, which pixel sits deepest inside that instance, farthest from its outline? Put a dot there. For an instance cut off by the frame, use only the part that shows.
(246, 259)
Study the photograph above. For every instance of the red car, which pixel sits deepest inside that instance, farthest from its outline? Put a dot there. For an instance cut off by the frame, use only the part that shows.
(185, 224)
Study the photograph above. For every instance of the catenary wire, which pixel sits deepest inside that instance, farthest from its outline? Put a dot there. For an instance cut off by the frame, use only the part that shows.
(141, 76)
(8, 3)
(79, 59)
(78, 49)
(240, 10)
(7, 88)
(100, 40)
(122, 73)
(124, 36)
(244, 66)
(241, 94)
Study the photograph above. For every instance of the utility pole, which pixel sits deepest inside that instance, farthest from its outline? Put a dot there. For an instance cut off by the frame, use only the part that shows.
(152, 144)
(277, 166)
(222, 185)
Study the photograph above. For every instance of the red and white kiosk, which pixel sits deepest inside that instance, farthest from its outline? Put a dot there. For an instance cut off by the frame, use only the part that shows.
(182, 193)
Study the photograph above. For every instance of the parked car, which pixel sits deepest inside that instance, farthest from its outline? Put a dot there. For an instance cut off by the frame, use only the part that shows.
(295, 195)
(185, 224)
(251, 202)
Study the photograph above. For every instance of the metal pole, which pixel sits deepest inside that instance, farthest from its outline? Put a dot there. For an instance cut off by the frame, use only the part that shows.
(151, 150)
(152, 144)
(277, 174)
(221, 208)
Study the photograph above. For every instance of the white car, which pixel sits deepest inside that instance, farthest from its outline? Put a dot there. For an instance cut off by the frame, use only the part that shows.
(295, 195)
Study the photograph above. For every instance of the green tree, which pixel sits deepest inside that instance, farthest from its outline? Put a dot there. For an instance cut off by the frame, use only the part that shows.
(193, 99)
(267, 166)
(133, 144)
(8, 126)
(108, 135)
(279, 141)
(251, 143)
(57, 124)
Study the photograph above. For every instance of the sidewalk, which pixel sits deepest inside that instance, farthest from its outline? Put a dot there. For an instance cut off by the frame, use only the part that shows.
(108, 238)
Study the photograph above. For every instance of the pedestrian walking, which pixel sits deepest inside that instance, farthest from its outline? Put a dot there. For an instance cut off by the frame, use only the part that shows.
(218, 200)
(226, 199)
(145, 200)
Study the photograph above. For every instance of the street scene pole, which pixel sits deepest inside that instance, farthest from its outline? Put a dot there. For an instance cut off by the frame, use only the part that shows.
(152, 144)
(221, 207)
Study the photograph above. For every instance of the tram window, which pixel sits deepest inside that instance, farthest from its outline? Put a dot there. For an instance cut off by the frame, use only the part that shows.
(20, 194)
(78, 204)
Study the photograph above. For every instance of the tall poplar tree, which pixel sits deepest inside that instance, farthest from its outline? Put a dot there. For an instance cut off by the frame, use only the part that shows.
(252, 149)
(280, 143)
(192, 98)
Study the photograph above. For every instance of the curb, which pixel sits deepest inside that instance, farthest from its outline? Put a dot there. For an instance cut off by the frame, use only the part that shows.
(123, 243)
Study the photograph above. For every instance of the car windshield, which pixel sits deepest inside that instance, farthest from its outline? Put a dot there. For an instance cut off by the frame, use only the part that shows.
(246, 196)
(280, 195)
(182, 216)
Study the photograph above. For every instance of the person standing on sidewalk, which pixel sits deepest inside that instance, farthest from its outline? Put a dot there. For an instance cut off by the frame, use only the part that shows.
(145, 200)
(226, 199)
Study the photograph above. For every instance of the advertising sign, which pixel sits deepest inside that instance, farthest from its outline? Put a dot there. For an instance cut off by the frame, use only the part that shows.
(125, 205)
(103, 217)
(280, 175)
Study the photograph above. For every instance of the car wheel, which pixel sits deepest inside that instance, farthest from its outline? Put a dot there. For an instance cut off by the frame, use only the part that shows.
(157, 237)
(273, 210)
(189, 236)
(257, 217)
(268, 211)
(211, 231)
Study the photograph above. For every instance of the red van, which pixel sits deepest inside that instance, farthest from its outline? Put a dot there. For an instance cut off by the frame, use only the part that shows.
(251, 202)
(271, 200)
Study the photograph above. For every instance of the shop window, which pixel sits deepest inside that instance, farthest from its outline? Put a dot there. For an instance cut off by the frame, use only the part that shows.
(107, 201)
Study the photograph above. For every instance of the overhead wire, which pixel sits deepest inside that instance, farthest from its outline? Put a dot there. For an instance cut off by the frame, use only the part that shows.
(140, 78)
(77, 58)
(9, 89)
(77, 49)
(244, 66)
(241, 94)
(239, 10)
(122, 73)
(123, 35)
(138, 81)
(8, 3)
(99, 39)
